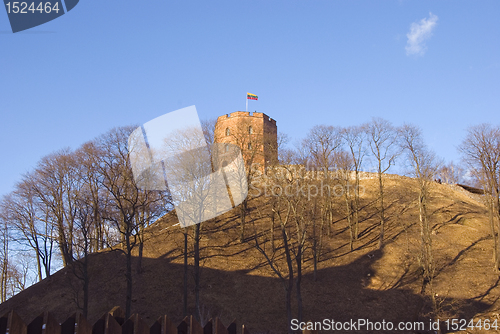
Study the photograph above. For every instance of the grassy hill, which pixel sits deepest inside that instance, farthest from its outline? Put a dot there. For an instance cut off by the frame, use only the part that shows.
(237, 283)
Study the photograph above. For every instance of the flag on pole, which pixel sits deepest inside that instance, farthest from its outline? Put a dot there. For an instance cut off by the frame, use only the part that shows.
(252, 97)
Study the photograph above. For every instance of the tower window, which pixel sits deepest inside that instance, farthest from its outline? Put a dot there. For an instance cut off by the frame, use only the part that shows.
(249, 146)
(250, 130)
(227, 132)
(226, 147)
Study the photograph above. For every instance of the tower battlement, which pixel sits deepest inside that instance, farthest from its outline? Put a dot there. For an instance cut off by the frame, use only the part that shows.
(247, 114)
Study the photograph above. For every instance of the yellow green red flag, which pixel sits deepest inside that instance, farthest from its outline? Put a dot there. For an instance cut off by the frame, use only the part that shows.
(252, 96)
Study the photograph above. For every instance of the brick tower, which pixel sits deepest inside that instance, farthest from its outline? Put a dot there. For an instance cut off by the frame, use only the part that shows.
(255, 134)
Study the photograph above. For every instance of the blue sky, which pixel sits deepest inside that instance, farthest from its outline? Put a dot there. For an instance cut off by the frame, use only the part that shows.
(113, 63)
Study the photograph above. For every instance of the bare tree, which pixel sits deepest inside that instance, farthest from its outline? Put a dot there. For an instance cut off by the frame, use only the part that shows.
(320, 145)
(125, 200)
(75, 199)
(88, 222)
(451, 173)
(344, 165)
(31, 223)
(88, 159)
(321, 142)
(185, 280)
(354, 138)
(19, 273)
(481, 151)
(425, 167)
(195, 189)
(281, 212)
(80, 265)
(208, 127)
(316, 235)
(383, 145)
(54, 184)
(4, 260)
(293, 214)
(15, 274)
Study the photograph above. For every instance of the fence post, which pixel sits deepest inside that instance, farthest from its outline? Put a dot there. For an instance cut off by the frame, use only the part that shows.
(82, 324)
(35, 326)
(163, 326)
(231, 329)
(119, 314)
(111, 325)
(76, 324)
(219, 327)
(208, 328)
(135, 325)
(11, 323)
(44, 324)
(194, 326)
(183, 326)
(106, 325)
(51, 325)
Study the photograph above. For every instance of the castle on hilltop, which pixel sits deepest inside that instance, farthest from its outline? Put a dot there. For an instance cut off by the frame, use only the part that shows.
(255, 133)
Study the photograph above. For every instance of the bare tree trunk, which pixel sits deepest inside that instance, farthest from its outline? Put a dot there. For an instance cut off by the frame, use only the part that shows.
(100, 236)
(290, 279)
(496, 239)
(139, 259)
(381, 208)
(273, 247)
(63, 246)
(197, 269)
(356, 206)
(320, 243)
(141, 247)
(86, 292)
(185, 272)
(128, 275)
(298, 282)
(426, 242)
(315, 244)
(491, 216)
(38, 264)
(243, 215)
(85, 275)
(329, 216)
(426, 239)
(349, 212)
(5, 263)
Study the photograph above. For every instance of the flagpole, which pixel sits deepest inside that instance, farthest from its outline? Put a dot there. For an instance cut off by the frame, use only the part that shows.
(247, 102)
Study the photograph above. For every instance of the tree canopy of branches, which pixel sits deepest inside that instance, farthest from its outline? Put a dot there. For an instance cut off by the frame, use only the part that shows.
(79, 201)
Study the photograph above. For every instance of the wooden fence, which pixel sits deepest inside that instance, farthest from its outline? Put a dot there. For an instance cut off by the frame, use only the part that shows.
(113, 322)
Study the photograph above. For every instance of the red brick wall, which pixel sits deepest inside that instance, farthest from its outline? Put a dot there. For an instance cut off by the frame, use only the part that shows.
(262, 140)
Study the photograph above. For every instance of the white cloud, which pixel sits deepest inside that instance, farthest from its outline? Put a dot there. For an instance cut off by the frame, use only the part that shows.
(419, 33)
